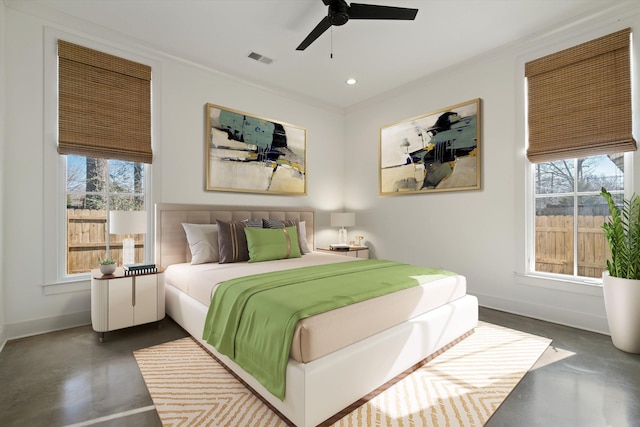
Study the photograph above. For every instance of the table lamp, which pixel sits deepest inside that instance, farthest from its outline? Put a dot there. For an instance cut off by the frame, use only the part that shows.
(342, 220)
(128, 223)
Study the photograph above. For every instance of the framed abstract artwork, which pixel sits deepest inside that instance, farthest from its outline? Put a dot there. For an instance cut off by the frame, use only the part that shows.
(246, 153)
(435, 152)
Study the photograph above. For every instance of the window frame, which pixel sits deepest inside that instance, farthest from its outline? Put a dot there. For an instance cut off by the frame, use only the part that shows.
(55, 279)
(524, 181)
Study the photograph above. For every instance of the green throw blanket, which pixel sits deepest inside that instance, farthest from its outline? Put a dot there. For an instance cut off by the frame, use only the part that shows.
(252, 319)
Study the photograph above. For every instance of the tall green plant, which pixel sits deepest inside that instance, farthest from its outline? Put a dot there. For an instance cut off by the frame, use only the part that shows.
(622, 231)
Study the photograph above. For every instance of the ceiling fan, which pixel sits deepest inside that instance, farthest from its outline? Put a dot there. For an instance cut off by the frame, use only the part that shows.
(340, 12)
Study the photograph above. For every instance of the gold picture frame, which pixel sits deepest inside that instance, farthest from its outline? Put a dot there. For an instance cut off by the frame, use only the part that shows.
(247, 153)
(434, 152)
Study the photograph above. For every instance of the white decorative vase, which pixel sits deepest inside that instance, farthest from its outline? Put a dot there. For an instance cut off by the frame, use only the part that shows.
(622, 303)
(107, 268)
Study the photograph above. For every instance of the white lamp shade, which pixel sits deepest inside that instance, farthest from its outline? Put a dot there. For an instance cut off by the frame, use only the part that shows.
(127, 222)
(343, 219)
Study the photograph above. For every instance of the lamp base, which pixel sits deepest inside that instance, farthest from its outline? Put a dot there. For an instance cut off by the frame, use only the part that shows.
(342, 236)
(128, 251)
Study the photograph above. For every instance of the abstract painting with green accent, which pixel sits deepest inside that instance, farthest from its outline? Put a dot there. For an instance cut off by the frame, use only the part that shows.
(252, 154)
(439, 151)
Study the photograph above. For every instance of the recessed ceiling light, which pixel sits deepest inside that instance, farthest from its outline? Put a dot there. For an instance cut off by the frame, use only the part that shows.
(351, 81)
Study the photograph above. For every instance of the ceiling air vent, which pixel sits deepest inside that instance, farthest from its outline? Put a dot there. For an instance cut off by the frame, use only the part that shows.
(260, 58)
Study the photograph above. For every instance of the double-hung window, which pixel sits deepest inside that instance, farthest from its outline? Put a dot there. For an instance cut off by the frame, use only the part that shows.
(579, 129)
(104, 135)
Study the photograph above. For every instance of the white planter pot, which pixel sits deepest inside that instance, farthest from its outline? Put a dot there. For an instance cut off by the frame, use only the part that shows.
(622, 303)
(107, 268)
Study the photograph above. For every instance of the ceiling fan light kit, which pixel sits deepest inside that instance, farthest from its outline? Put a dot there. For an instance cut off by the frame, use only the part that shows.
(340, 13)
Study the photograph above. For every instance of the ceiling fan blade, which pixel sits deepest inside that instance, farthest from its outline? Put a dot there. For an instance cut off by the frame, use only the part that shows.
(370, 11)
(335, 2)
(323, 26)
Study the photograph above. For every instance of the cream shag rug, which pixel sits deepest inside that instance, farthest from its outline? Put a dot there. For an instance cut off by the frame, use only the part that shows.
(463, 386)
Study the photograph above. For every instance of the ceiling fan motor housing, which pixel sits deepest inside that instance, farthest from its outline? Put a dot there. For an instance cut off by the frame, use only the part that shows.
(338, 14)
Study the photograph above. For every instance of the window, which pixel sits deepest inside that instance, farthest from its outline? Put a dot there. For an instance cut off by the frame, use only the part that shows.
(569, 213)
(56, 274)
(579, 129)
(93, 187)
(104, 135)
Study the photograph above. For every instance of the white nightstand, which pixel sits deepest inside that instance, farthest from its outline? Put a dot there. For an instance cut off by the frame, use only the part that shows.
(353, 251)
(119, 301)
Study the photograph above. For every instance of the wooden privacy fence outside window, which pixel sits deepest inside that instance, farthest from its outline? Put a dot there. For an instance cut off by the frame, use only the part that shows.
(86, 243)
(555, 247)
(554, 243)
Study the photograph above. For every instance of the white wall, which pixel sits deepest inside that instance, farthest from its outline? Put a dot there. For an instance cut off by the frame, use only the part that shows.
(178, 170)
(476, 233)
(3, 337)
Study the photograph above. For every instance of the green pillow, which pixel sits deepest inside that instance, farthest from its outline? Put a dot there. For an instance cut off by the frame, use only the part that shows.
(266, 244)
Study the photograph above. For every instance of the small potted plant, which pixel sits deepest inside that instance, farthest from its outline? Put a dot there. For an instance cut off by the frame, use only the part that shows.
(621, 280)
(107, 266)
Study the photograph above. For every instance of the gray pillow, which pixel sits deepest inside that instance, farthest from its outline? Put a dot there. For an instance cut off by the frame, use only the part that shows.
(232, 241)
(276, 223)
(253, 223)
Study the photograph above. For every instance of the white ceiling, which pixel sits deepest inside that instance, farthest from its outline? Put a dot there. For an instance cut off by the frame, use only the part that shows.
(381, 55)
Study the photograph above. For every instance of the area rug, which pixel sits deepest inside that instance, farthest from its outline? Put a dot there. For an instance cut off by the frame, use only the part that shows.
(462, 386)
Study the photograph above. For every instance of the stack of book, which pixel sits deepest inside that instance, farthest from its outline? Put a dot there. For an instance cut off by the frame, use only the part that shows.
(130, 269)
(339, 247)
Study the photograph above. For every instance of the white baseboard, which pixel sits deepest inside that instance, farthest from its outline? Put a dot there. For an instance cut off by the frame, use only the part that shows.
(3, 337)
(574, 319)
(47, 324)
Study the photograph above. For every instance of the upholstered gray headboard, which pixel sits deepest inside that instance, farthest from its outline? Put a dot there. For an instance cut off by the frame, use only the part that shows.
(171, 242)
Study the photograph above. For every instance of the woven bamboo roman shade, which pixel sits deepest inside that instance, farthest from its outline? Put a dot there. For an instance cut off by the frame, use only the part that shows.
(580, 100)
(104, 105)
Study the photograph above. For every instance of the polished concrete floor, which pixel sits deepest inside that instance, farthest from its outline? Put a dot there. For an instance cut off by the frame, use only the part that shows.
(68, 378)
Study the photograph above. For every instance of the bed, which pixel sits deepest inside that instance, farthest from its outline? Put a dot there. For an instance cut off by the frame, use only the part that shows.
(328, 374)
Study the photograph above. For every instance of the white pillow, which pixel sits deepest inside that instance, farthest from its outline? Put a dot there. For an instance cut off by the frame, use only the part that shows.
(302, 237)
(203, 242)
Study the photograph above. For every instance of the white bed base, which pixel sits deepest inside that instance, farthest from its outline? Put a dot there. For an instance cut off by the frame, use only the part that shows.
(317, 390)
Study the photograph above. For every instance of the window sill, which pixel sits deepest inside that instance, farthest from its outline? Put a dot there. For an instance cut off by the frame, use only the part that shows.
(76, 284)
(585, 287)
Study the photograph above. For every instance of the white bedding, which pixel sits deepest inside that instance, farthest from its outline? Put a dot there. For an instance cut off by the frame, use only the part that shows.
(199, 281)
(324, 333)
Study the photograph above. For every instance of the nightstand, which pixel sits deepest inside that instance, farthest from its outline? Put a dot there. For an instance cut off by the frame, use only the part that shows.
(119, 301)
(353, 251)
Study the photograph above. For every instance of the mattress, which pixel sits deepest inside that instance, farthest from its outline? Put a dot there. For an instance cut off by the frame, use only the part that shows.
(324, 333)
